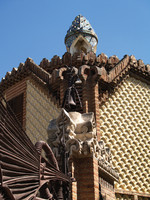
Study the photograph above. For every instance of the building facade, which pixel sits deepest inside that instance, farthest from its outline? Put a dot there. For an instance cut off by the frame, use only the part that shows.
(116, 91)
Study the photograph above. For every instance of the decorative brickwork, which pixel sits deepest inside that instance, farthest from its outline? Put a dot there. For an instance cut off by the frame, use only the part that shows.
(111, 69)
(123, 117)
(39, 111)
(119, 118)
(125, 128)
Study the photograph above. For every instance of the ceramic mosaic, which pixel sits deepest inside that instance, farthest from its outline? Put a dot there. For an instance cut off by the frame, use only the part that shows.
(81, 25)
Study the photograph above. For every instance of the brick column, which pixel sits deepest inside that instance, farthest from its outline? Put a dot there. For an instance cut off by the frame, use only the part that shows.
(85, 97)
(94, 103)
(86, 174)
(135, 197)
(57, 76)
(96, 178)
(73, 184)
(62, 90)
(83, 74)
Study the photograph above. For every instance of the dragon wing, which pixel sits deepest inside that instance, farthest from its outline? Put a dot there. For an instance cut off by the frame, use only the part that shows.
(22, 169)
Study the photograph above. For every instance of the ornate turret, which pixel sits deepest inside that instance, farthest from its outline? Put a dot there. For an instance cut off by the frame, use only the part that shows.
(81, 37)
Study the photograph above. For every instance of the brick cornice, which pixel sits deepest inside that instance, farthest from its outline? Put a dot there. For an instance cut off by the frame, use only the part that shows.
(108, 69)
(107, 72)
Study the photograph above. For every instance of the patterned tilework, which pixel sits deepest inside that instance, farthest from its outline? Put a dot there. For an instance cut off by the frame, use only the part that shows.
(125, 128)
(39, 111)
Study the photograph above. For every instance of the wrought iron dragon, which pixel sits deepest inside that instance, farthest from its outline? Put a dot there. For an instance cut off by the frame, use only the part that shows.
(24, 173)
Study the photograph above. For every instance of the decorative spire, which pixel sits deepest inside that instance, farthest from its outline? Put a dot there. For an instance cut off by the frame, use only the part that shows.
(81, 36)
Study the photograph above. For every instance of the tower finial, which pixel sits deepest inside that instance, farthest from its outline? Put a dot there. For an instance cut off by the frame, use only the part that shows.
(81, 36)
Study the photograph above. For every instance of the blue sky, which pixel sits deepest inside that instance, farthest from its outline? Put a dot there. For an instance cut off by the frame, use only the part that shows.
(37, 28)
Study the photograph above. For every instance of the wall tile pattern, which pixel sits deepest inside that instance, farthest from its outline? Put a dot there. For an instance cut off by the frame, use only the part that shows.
(39, 111)
(125, 128)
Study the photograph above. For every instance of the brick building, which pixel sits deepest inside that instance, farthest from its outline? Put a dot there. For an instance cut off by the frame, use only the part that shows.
(116, 91)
